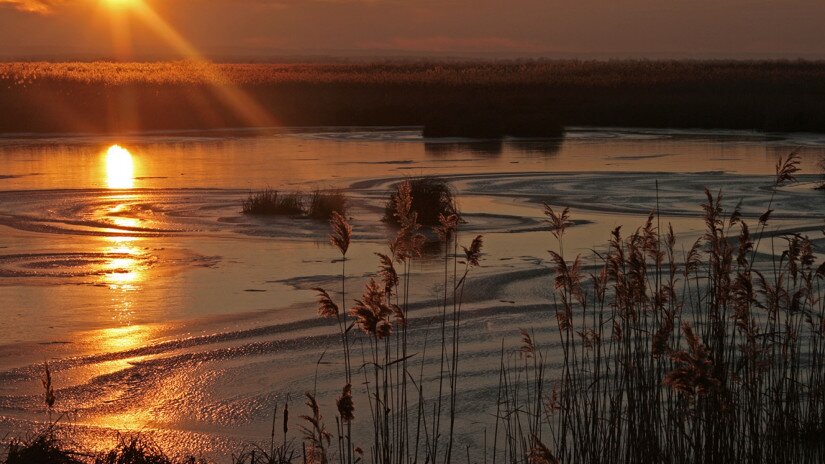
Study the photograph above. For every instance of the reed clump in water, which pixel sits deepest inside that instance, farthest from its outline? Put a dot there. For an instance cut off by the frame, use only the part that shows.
(323, 204)
(430, 198)
(272, 202)
(320, 204)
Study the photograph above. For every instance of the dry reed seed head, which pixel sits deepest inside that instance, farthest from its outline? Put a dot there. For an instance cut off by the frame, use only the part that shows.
(558, 221)
(616, 236)
(372, 311)
(775, 296)
(448, 225)
(742, 298)
(694, 373)
(796, 303)
(326, 307)
(651, 239)
(787, 168)
(637, 270)
(528, 348)
(387, 273)
(398, 313)
(373, 297)
(49, 396)
(590, 338)
(617, 331)
(409, 241)
(806, 252)
(792, 253)
(662, 297)
(316, 434)
(312, 403)
(568, 277)
(403, 203)
(474, 252)
(540, 454)
(745, 245)
(315, 455)
(383, 329)
(364, 317)
(713, 217)
(763, 219)
(552, 404)
(736, 215)
(600, 282)
(670, 240)
(341, 234)
(564, 318)
(693, 258)
(800, 256)
(346, 407)
(660, 344)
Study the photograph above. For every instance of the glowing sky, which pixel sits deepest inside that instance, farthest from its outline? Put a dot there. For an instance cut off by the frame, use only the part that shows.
(270, 28)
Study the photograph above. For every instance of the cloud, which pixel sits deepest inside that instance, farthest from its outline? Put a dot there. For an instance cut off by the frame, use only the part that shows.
(33, 6)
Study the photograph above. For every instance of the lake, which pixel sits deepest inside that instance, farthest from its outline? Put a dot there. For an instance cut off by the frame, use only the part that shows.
(127, 264)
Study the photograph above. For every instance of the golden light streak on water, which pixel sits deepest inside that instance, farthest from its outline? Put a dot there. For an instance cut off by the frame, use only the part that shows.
(125, 222)
(124, 338)
(125, 270)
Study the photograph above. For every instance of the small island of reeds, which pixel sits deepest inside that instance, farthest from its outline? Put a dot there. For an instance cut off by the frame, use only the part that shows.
(319, 204)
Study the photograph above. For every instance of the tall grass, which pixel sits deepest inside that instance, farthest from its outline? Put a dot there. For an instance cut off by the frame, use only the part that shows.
(324, 204)
(713, 354)
(272, 202)
(409, 422)
(319, 204)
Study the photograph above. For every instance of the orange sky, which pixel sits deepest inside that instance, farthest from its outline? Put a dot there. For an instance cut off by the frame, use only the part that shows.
(501, 28)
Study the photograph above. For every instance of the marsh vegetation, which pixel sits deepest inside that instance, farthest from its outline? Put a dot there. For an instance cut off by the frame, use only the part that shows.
(469, 99)
(430, 199)
(319, 204)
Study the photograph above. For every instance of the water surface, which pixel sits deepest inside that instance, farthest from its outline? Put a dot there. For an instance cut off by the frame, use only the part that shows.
(126, 261)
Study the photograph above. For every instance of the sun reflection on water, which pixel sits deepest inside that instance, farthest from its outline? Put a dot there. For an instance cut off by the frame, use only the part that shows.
(124, 338)
(120, 168)
(124, 270)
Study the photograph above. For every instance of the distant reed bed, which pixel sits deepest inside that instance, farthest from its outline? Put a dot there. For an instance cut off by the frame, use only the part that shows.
(475, 99)
(604, 74)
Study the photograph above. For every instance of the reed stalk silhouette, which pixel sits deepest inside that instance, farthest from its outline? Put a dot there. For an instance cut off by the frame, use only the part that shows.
(403, 429)
(709, 355)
